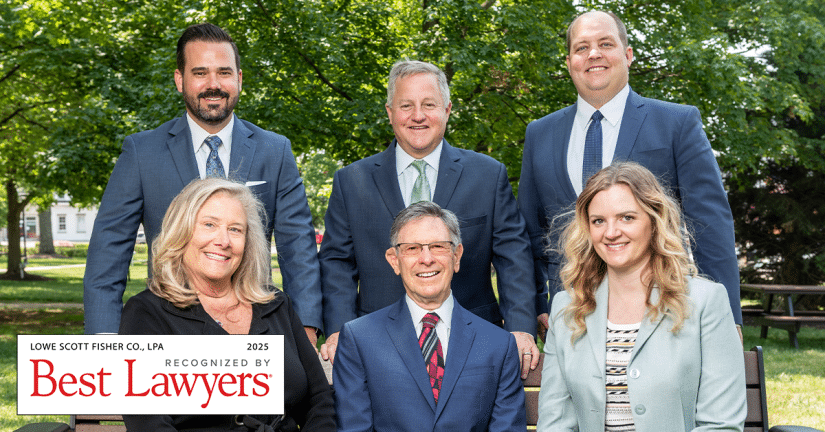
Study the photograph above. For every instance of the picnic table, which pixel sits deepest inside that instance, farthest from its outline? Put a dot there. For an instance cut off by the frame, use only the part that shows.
(789, 318)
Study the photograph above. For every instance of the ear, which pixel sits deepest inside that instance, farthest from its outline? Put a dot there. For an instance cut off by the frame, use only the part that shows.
(179, 80)
(240, 81)
(392, 258)
(628, 52)
(449, 108)
(459, 250)
(567, 62)
(389, 113)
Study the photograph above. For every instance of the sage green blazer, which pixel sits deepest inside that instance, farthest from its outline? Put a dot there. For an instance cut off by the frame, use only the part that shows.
(691, 381)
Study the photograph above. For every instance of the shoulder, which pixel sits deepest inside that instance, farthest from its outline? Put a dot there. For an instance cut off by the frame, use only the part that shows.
(469, 157)
(551, 118)
(261, 135)
(280, 300)
(662, 107)
(160, 133)
(706, 294)
(483, 328)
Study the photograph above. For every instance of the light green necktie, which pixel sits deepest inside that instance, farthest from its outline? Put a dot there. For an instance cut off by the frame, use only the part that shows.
(421, 188)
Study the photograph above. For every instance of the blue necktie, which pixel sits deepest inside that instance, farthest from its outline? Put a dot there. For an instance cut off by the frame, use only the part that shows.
(214, 167)
(592, 148)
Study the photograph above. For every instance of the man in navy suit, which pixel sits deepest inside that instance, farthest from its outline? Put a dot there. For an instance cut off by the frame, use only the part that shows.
(155, 165)
(420, 165)
(425, 363)
(666, 138)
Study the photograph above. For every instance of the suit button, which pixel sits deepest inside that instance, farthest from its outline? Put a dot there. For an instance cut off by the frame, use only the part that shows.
(640, 409)
(634, 373)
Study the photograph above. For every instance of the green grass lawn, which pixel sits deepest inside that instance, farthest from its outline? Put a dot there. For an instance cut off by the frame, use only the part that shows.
(795, 378)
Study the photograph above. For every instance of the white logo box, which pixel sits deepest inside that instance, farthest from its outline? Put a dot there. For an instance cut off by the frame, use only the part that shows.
(124, 374)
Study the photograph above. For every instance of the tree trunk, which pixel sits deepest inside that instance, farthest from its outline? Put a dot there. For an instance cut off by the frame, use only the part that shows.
(13, 223)
(46, 238)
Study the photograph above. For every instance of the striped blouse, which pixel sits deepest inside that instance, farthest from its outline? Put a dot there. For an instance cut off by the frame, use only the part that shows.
(620, 341)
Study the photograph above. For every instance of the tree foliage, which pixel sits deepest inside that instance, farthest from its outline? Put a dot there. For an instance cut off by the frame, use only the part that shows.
(316, 72)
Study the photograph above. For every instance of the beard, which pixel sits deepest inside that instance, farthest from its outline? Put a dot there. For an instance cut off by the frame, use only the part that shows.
(212, 113)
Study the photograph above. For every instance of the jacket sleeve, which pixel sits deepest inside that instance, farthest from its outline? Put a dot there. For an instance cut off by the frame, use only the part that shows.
(721, 401)
(353, 407)
(339, 274)
(535, 219)
(295, 241)
(509, 411)
(513, 260)
(112, 244)
(706, 207)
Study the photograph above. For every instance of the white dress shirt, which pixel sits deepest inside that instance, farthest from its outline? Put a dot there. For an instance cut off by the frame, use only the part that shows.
(408, 174)
(611, 123)
(442, 328)
(202, 150)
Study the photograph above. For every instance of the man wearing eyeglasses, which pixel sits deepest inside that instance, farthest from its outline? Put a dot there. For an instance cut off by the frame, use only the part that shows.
(419, 165)
(469, 379)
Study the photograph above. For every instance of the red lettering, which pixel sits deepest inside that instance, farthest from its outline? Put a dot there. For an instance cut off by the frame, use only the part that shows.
(63, 381)
(47, 376)
(161, 389)
(243, 378)
(223, 381)
(184, 384)
(129, 391)
(86, 382)
(209, 389)
(102, 374)
(265, 386)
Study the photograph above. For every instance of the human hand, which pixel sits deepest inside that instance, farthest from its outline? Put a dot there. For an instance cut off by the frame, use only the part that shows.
(542, 326)
(329, 347)
(528, 352)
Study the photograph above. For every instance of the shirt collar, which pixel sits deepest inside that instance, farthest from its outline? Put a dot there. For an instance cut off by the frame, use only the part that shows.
(612, 110)
(403, 159)
(199, 134)
(445, 311)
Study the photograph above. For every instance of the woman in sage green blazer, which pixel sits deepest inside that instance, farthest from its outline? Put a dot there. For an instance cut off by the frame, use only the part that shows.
(674, 361)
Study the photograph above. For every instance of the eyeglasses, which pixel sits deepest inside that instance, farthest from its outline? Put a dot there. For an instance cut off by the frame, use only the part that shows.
(415, 249)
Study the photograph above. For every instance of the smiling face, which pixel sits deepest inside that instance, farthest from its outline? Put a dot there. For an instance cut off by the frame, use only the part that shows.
(620, 230)
(210, 83)
(418, 115)
(216, 248)
(426, 276)
(598, 62)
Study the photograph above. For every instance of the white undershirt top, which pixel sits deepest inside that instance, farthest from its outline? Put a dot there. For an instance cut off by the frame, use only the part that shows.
(202, 150)
(407, 174)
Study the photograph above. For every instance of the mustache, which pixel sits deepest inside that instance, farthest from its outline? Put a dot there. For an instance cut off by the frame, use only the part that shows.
(213, 93)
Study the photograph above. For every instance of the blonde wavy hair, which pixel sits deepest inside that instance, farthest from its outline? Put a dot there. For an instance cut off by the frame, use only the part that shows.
(169, 277)
(669, 264)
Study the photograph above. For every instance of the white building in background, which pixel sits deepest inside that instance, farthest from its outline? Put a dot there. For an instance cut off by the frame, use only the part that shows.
(69, 223)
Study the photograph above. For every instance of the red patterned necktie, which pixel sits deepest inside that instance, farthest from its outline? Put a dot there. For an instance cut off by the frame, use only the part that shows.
(431, 348)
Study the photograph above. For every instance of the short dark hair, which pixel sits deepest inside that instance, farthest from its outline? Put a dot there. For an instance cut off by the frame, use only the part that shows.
(619, 24)
(205, 32)
(426, 209)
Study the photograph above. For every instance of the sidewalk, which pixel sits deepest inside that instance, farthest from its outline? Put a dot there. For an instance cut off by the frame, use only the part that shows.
(19, 305)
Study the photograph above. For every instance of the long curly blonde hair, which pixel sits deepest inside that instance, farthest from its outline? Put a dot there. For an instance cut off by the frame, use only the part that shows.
(669, 264)
(169, 279)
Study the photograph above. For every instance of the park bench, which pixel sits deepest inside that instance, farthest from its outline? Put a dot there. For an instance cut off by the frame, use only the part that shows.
(756, 421)
(789, 319)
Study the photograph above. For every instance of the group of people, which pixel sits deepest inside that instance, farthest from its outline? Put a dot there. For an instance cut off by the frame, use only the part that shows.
(639, 336)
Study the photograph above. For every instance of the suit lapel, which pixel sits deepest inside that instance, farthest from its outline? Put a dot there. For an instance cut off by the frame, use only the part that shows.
(402, 334)
(559, 149)
(648, 327)
(596, 324)
(386, 180)
(632, 119)
(449, 171)
(242, 153)
(181, 148)
(461, 340)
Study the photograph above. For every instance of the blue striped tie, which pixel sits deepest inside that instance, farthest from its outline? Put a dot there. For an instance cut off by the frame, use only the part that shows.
(592, 148)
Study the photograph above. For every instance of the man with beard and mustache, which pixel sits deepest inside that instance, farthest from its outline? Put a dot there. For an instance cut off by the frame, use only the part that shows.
(209, 140)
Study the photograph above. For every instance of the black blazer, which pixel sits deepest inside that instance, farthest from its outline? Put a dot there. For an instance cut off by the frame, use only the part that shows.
(307, 395)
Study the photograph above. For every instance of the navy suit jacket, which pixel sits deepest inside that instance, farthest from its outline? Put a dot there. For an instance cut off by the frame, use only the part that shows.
(381, 382)
(153, 167)
(364, 202)
(664, 137)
